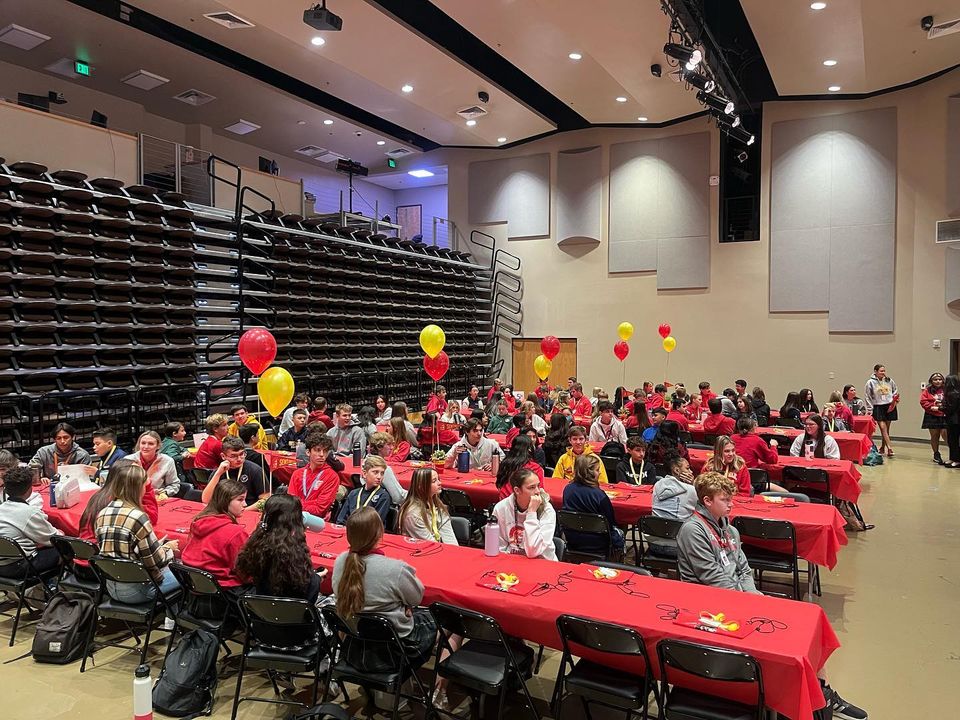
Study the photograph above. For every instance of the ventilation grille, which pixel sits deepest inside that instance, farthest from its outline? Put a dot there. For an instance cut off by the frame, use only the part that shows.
(399, 153)
(229, 20)
(194, 97)
(472, 113)
(311, 151)
(948, 231)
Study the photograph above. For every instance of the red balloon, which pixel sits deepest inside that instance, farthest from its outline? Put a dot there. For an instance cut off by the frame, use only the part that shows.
(621, 350)
(257, 349)
(664, 330)
(550, 347)
(436, 367)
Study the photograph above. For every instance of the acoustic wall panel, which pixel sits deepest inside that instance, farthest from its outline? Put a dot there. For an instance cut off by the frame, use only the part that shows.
(951, 270)
(512, 190)
(953, 156)
(833, 187)
(660, 203)
(579, 196)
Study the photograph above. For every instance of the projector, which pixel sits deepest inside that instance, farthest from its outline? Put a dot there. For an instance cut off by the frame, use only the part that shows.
(319, 18)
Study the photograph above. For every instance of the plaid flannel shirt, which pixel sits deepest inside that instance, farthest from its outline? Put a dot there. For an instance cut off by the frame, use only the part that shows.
(125, 532)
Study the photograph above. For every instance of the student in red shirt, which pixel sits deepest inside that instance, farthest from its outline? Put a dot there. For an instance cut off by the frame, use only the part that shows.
(658, 399)
(208, 454)
(716, 423)
(676, 414)
(520, 457)
(638, 417)
(317, 485)
(706, 394)
(319, 413)
(638, 396)
(438, 401)
(497, 387)
(580, 403)
(401, 447)
(543, 393)
(754, 451)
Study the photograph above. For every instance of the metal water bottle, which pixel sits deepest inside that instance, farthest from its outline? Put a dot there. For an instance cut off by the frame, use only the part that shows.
(142, 694)
(463, 461)
(491, 538)
(356, 454)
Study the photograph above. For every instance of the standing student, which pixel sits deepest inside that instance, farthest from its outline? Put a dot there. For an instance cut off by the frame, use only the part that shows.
(317, 485)
(882, 396)
(519, 456)
(241, 417)
(423, 515)
(526, 519)
(607, 427)
(62, 451)
(577, 440)
(160, 469)
(27, 525)
(584, 495)
(934, 420)
(105, 453)
(951, 411)
(384, 411)
(815, 442)
(235, 466)
(726, 462)
(807, 403)
(370, 494)
(634, 469)
(485, 454)
(301, 401)
(210, 450)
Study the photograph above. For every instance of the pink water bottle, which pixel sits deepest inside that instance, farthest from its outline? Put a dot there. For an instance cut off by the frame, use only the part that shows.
(142, 694)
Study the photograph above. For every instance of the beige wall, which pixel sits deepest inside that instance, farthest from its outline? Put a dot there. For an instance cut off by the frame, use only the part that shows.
(726, 332)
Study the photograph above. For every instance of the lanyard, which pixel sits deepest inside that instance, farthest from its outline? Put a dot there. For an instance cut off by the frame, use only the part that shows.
(104, 461)
(607, 430)
(313, 485)
(635, 474)
(721, 539)
(372, 495)
(435, 528)
(833, 425)
(57, 463)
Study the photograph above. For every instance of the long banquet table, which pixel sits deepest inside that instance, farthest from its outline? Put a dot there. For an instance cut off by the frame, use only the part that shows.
(791, 640)
(853, 446)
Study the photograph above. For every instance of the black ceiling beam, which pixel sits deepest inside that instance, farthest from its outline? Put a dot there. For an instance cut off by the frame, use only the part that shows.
(127, 14)
(446, 34)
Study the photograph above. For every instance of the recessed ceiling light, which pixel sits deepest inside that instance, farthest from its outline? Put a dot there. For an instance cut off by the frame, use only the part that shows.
(407, 88)
(818, 5)
(21, 37)
(242, 127)
(621, 99)
(381, 142)
(833, 88)
(317, 40)
(501, 140)
(642, 118)
(471, 123)
(574, 56)
(829, 63)
(328, 122)
(420, 173)
(301, 122)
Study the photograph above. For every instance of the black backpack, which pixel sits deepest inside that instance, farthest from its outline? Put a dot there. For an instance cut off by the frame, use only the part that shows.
(188, 679)
(63, 629)
(613, 449)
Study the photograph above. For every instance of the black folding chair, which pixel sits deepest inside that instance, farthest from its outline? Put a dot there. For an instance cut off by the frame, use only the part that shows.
(814, 482)
(283, 635)
(205, 605)
(653, 528)
(577, 528)
(718, 665)
(610, 465)
(760, 480)
(461, 528)
(126, 572)
(594, 682)
(460, 505)
(762, 559)
(10, 550)
(488, 662)
(376, 633)
(73, 574)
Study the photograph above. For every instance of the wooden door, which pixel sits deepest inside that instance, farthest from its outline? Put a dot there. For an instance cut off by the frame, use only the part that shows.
(525, 351)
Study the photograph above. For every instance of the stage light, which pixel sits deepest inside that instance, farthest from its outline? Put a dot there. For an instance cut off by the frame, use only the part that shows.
(701, 82)
(717, 103)
(683, 54)
(738, 133)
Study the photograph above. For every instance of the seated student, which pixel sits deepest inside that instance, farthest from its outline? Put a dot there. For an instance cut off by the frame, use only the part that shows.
(365, 580)
(728, 403)
(9, 461)
(423, 516)
(638, 417)
(537, 455)
(345, 435)
(485, 454)
(174, 434)
(301, 401)
(500, 421)
(758, 399)
(658, 398)
(705, 394)
(579, 403)
(584, 495)
(519, 422)
(519, 456)
(437, 402)
(832, 423)
(427, 438)
(791, 407)
(815, 442)
(209, 453)
(656, 418)
(317, 484)
(497, 387)
(510, 399)
(105, 495)
(607, 427)
(400, 411)
(528, 410)
(381, 444)
(751, 447)
(105, 454)
(726, 462)
(638, 396)
(452, 416)
(677, 415)
(216, 538)
(709, 553)
(242, 417)
(296, 433)
(840, 409)
(279, 476)
(472, 401)
(674, 495)
(364, 419)
(235, 466)
(526, 519)
(27, 525)
(400, 449)
(577, 440)
(555, 442)
(667, 441)
(745, 408)
(276, 559)
(383, 410)
(370, 494)
(680, 393)
(634, 469)
(62, 451)
(124, 531)
(807, 403)
(716, 423)
(160, 469)
(855, 404)
(692, 410)
(318, 412)
(542, 392)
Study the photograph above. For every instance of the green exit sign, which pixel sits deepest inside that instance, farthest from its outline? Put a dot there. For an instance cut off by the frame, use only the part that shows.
(391, 162)
(81, 68)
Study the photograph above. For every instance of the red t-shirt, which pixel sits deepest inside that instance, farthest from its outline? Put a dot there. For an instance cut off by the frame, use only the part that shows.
(656, 400)
(719, 425)
(316, 490)
(754, 450)
(209, 453)
(679, 418)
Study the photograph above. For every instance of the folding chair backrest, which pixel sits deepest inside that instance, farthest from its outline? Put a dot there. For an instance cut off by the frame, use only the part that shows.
(457, 501)
(707, 662)
(665, 528)
(194, 580)
(73, 548)
(759, 476)
(805, 475)
(583, 522)
(468, 624)
(610, 465)
(601, 636)
(280, 622)
(120, 570)
(764, 529)
(10, 549)
(461, 528)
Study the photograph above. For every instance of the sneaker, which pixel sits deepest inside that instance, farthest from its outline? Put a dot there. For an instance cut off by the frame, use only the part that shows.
(285, 680)
(937, 458)
(440, 700)
(840, 707)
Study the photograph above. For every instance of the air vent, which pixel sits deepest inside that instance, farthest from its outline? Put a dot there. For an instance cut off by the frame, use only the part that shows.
(948, 231)
(229, 20)
(472, 113)
(945, 28)
(399, 152)
(329, 156)
(194, 97)
(145, 80)
(311, 151)
(241, 127)
(21, 37)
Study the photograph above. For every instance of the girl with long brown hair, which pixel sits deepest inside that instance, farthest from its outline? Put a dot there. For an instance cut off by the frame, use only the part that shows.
(216, 537)
(423, 515)
(726, 462)
(401, 446)
(104, 496)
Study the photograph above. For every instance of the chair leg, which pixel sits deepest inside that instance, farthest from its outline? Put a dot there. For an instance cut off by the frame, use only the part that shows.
(21, 598)
(396, 704)
(88, 645)
(236, 696)
(503, 697)
(536, 669)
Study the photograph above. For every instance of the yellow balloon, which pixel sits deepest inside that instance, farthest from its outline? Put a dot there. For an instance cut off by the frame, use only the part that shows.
(542, 367)
(625, 331)
(669, 343)
(432, 340)
(275, 388)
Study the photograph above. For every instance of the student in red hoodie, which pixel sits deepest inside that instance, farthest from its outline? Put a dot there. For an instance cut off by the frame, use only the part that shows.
(716, 423)
(706, 394)
(438, 401)
(317, 485)
(319, 413)
(754, 451)
(676, 414)
(216, 538)
(658, 399)
(934, 419)
(726, 462)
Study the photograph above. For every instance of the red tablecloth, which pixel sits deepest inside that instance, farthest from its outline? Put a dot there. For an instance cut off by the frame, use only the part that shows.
(791, 640)
(863, 424)
(853, 446)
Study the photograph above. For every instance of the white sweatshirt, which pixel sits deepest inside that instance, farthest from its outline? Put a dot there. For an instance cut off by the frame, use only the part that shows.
(523, 533)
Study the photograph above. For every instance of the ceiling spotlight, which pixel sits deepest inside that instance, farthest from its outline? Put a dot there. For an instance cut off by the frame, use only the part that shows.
(471, 123)
(717, 103)
(501, 140)
(701, 82)
(683, 54)
(301, 122)
(381, 142)
(328, 122)
(641, 119)
(407, 89)
(818, 5)
(738, 133)
(829, 63)
(834, 88)
(317, 40)
(621, 98)
(575, 56)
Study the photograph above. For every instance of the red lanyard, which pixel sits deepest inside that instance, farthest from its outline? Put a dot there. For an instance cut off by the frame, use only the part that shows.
(721, 539)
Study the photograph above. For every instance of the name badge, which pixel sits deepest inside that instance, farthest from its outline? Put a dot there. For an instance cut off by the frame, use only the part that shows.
(724, 560)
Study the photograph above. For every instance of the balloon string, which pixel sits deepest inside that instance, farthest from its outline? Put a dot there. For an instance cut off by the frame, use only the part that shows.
(666, 370)
(260, 420)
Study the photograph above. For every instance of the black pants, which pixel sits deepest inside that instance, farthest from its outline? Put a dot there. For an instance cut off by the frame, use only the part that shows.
(953, 441)
(45, 560)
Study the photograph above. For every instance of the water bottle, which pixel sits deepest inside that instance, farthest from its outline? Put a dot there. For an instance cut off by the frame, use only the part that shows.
(808, 451)
(463, 461)
(491, 538)
(356, 454)
(53, 490)
(142, 695)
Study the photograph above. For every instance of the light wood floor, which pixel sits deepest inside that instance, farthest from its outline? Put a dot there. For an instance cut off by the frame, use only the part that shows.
(892, 600)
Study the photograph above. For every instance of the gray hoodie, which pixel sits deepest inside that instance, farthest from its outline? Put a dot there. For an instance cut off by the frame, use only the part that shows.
(673, 498)
(709, 553)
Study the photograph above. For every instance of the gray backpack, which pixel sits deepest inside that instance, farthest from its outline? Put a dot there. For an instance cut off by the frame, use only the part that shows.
(188, 679)
(63, 629)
